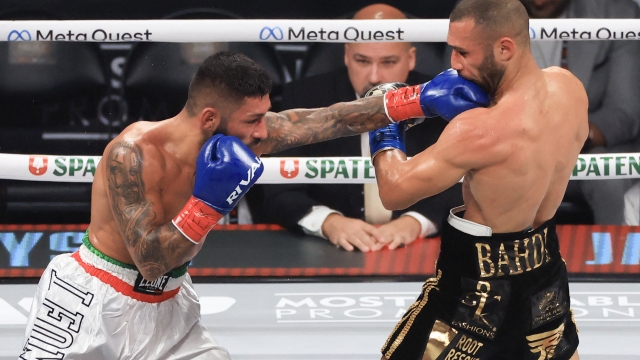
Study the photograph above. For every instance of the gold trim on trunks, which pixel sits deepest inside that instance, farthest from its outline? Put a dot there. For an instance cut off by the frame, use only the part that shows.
(440, 337)
(573, 320)
(410, 315)
(545, 343)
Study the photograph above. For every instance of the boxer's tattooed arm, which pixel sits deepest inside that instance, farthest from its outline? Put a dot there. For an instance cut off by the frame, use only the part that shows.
(305, 126)
(155, 249)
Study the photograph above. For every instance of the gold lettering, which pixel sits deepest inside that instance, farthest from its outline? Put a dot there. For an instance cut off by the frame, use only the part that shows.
(483, 300)
(479, 345)
(450, 354)
(469, 301)
(469, 345)
(466, 344)
(482, 259)
(461, 341)
(525, 255)
(538, 254)
(475, 329)
(503, 259)
(472, 345)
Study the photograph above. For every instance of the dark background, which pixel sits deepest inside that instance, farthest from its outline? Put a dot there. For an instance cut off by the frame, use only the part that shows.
(82, 120)
(269, 9)
(30, 116)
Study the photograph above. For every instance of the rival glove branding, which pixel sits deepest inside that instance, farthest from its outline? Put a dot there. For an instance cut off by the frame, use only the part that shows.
(251, 173)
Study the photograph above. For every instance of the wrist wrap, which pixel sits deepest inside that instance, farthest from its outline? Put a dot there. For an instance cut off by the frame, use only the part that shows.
(196, 219)
(403, 103)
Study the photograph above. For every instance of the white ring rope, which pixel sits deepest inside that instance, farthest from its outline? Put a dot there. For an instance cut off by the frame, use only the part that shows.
(278, 30)
(336, 170)
(312, 170)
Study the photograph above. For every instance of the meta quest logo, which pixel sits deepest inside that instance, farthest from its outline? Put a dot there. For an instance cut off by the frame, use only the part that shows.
(19, 35)
(349, 34)
(96, 35)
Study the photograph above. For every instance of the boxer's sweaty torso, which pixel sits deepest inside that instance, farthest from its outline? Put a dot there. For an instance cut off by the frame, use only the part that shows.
(176, 186)
(534, 134)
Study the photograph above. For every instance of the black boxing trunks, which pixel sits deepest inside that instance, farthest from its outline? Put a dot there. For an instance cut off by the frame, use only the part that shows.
(494, 296)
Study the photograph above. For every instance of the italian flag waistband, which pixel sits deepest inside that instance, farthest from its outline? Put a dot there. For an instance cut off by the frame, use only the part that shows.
(125, 278)
(175, 273)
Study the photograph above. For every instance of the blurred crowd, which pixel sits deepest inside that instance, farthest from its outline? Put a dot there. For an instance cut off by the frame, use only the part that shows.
(71, 98)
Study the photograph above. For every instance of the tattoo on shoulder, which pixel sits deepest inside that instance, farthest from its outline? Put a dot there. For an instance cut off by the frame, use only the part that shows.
(132, 210)
(127, 191)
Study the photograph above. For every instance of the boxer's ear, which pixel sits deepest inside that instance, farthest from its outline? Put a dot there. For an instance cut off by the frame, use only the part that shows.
(506, 49)
(412, 57)
(209, 119)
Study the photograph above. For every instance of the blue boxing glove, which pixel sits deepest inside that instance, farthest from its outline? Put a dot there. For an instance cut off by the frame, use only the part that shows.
(447, 95)
(391, 136)
(225, 170)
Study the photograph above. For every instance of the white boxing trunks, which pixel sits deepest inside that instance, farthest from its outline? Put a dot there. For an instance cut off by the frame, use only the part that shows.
(90, 306)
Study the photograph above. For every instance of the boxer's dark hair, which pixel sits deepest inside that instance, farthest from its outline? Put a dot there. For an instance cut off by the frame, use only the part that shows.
(497, 18)
(226, 78)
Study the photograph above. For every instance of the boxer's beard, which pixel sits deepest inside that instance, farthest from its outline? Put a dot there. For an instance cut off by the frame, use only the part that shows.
(490, 73)
(223, 126)
(253, 143)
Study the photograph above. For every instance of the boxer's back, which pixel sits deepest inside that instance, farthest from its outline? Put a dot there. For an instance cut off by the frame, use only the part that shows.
(533, 136)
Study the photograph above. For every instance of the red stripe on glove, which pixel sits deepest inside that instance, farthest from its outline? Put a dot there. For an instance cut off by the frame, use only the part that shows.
(404, 103)
(196, 219)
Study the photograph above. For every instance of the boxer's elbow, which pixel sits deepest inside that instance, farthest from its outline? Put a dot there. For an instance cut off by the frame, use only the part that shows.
(389, 202)
(150, 274)
(394, 201)
(151, 269)
(152, 261)
(393, 194)
(403, 187)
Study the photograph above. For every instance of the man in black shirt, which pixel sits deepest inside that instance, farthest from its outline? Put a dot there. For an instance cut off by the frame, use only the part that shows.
(345, 214)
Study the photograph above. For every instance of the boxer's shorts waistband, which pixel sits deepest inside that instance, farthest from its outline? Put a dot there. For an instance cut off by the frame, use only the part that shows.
(472, 249)
(125, 278)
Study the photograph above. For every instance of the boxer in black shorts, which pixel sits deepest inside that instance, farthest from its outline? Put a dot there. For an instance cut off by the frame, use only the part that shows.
(500, 291)
(494, 296)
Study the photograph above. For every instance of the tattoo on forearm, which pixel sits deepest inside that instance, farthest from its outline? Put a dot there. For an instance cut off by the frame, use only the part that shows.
(134, 213)
(306, 126)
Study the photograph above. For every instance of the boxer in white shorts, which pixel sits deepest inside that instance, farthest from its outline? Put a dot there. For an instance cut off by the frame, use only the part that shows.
(92, 305)
(158, 190)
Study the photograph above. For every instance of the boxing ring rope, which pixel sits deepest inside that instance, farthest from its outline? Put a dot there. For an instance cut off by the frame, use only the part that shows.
(320, 170)
(281, 30)
(290, 170)
(334, 170)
